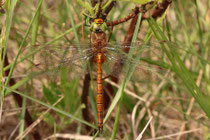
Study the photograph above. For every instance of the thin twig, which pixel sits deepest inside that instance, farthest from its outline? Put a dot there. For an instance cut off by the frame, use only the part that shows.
(157, 12)
(130, 16)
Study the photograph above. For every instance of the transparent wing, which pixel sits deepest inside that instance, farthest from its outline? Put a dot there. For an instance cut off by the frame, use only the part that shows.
(49, 60)
(74, 57)
(119, 52)
(152, 56)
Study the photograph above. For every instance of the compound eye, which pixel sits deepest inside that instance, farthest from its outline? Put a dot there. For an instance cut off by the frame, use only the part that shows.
(98, 21)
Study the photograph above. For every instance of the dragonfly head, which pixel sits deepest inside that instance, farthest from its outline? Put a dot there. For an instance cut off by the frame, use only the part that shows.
(99, 21)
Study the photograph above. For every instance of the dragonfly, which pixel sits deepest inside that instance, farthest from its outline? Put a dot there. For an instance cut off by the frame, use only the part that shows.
(99, 51)
(103, 55)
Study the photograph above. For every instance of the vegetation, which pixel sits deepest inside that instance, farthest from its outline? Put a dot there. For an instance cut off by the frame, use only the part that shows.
(43, 48)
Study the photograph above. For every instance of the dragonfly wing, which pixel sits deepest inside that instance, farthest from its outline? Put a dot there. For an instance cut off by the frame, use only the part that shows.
(151, 56)
(52, 59)
(118, 52)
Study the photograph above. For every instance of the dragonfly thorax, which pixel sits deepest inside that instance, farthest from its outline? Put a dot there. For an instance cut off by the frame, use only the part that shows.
(98, 44)
(98, 39)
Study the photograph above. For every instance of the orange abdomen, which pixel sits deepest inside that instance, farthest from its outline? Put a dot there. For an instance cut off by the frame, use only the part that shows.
(99, 97)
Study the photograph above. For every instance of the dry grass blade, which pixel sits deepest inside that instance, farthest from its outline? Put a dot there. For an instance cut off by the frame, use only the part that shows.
(72, 136)
(27, 130)
(126, 90)
(152, 128)
(175, 134)
(13, 132)
(133, 119)
(142, 132)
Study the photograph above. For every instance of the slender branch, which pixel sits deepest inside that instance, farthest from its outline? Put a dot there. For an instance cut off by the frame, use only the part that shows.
(157, 12)
(130, 16)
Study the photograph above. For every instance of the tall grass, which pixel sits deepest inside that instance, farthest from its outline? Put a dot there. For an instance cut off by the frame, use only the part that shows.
(172, 76)
(5, 36)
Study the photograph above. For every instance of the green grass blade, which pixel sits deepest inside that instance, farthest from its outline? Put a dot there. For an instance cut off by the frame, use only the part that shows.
(129, 71)
(35, 26)
(22, 44)
(22, 120)
(114, 132)
(87, 6)
(25, 80)
(5, 34)
(180, 69)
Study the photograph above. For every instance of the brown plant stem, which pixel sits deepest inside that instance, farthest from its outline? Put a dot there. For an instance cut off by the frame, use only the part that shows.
(85, 92)
(93, 3)
(160, 9)
(109, 8)
(19, 100)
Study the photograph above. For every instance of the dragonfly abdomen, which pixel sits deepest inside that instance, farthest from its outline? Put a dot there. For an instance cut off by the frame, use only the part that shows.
(99, 89)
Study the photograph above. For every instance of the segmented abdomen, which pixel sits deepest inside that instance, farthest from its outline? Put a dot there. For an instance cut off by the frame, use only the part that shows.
(99, 97)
